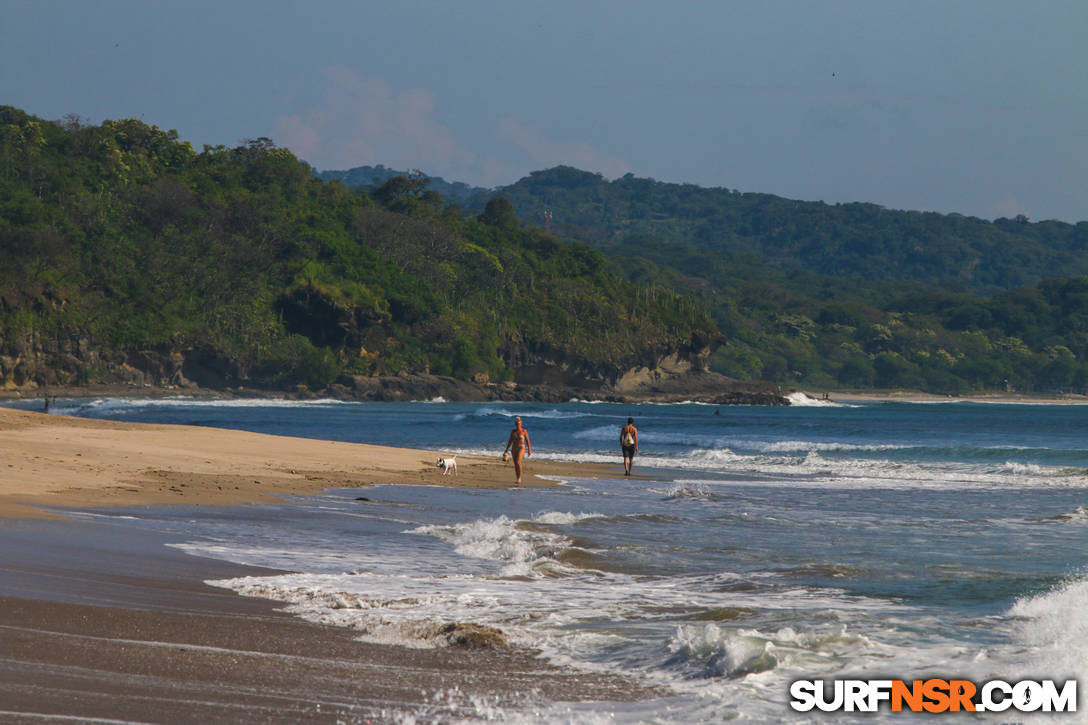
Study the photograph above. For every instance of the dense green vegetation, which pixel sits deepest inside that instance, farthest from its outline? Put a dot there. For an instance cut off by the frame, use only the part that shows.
(124, 237)
(834, 296)
(368, 178)
(850, 295)
(859, 241)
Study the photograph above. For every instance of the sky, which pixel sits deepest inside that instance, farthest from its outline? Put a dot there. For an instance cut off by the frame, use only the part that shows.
(978, 107)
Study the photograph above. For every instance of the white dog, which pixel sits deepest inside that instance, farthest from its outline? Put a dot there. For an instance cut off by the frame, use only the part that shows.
(448, 464)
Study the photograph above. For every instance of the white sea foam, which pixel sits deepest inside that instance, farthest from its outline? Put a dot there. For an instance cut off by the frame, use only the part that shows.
(552, 414)
(1053, 627)
(826, 446)
(819, 471)
(91, 515)
(717, 653)
(109, 406)
(1026, 469)
(533, 611)
(688, 489)
(1079, 515)
(608, 622)
(648, 438)
(592, 575)
(805, 401)
(559, 518)
(521, 547)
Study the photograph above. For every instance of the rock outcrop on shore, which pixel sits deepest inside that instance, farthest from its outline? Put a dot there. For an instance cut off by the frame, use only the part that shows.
(695, 385)
(703, 387)
(38, 365)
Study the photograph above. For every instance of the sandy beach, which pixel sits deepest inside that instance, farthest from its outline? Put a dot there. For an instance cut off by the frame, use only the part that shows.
(916, 397)
(102, 623)
(53, 460)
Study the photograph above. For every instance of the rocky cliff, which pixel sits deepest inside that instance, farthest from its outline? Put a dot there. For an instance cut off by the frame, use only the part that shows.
(38, 364)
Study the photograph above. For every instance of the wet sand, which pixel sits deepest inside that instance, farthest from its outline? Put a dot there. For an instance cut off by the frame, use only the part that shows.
(103, 622)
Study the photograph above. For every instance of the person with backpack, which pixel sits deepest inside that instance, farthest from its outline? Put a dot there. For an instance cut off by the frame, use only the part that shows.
(629, 445)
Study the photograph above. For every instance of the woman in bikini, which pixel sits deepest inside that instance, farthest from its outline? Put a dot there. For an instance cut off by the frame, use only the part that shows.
(519, 446)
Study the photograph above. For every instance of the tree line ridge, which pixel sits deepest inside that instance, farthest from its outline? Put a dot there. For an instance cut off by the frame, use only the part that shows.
(130, 255)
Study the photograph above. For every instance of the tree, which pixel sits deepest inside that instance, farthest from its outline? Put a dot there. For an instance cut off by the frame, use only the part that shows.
(499, 212)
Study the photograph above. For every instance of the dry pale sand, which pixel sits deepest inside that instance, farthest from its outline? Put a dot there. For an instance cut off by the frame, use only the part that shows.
(913, 397)
(53, 460)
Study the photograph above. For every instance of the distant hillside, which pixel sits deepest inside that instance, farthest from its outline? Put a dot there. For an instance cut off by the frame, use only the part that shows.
(725, 237)
(845, 295)
(368, 178)
(635, 216)
(129, 256)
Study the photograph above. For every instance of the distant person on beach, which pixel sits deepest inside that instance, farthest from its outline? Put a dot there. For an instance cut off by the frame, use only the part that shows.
(519, 446)
(629, 445)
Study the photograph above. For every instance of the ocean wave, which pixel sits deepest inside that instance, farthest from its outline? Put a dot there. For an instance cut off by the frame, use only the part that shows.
(558, 518)
(610, 433)
(372, 618)
(578, 457)
(657, 518)
(688, 490)
(826, 446)
(1023, 469)
(803, 400)
(109, 406)
(815, 470)
(523, 546)
(810, 468)
(710, 650)
(1079, 515)
(552, 414)
(1053, 626)
(711, 643)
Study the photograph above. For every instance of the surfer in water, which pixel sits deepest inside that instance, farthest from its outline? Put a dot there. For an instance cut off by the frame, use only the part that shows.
(519, 446)
(629, 445)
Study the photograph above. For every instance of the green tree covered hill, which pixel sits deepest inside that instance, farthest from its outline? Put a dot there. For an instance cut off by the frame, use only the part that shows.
(845, 295)
(862, 241)
(126, 249)
(128, 253)
(369, 178)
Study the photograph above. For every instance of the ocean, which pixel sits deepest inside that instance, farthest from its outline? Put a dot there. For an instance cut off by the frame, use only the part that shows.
(757, 546)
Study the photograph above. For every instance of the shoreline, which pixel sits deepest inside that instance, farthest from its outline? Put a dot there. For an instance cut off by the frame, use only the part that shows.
(66, 462)
(915, 397)
(100, 620)
(715, 398)
(103, 621)
(424, 387)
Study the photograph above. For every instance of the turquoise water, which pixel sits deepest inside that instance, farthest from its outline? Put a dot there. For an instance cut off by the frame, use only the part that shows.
(764, 545)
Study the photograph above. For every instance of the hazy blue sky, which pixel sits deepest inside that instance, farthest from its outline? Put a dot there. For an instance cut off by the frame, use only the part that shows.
(974, 106)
